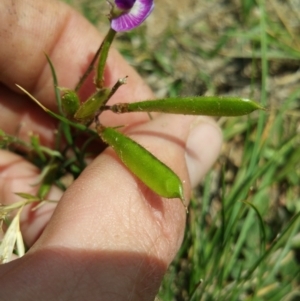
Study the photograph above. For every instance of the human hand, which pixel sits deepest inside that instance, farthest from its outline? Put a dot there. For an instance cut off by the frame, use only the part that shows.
(109, 237)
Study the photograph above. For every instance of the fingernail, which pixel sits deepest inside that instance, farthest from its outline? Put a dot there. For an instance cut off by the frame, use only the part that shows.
(202, 148)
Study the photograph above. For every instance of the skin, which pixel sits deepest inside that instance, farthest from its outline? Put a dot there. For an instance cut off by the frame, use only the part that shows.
(109, 237)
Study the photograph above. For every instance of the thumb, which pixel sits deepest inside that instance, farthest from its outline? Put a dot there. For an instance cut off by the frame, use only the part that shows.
(110, 236)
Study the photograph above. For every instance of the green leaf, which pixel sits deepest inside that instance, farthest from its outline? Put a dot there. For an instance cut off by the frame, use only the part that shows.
(35, 143)
(55, 82)
(27, 196)
(64, 127)
(47, 178)
(151, 171)
(261, 226)
(201, 105)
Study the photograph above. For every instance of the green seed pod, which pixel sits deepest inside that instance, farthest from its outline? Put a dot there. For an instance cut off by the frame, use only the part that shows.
(201, 105)
(87, 110)
(70, 103)
(152, 172)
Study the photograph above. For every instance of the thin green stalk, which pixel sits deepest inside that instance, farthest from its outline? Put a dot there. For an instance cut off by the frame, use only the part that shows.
(102, 53)
(103, 57)
(264, 62)
(275, 243)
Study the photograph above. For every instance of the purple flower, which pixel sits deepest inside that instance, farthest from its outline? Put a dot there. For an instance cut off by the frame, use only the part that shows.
(133, 13)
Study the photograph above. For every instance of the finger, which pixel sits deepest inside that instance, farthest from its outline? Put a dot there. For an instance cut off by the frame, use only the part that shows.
(110, 235)
(69, 40)
(204, 140)
(21, 117)
(18, 175)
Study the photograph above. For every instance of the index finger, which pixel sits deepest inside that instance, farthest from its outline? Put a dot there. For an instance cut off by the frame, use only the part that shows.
(30, 28)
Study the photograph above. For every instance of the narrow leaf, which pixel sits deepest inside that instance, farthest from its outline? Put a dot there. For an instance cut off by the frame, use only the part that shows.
(27, 196)
(35, 143)
(20, 244)
(56, 116)
(261, 226)
(55, 82)
(9, 240)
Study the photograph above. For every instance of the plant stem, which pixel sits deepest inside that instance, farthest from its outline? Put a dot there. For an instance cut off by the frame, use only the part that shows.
(103, 57)
(102, 53)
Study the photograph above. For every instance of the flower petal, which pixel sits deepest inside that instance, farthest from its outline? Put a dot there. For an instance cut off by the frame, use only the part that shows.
(124, 4)
(140, 10)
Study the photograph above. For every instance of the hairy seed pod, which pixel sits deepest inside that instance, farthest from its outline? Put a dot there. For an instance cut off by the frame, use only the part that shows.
(201, 105)
(151, 171)
(70, 103)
